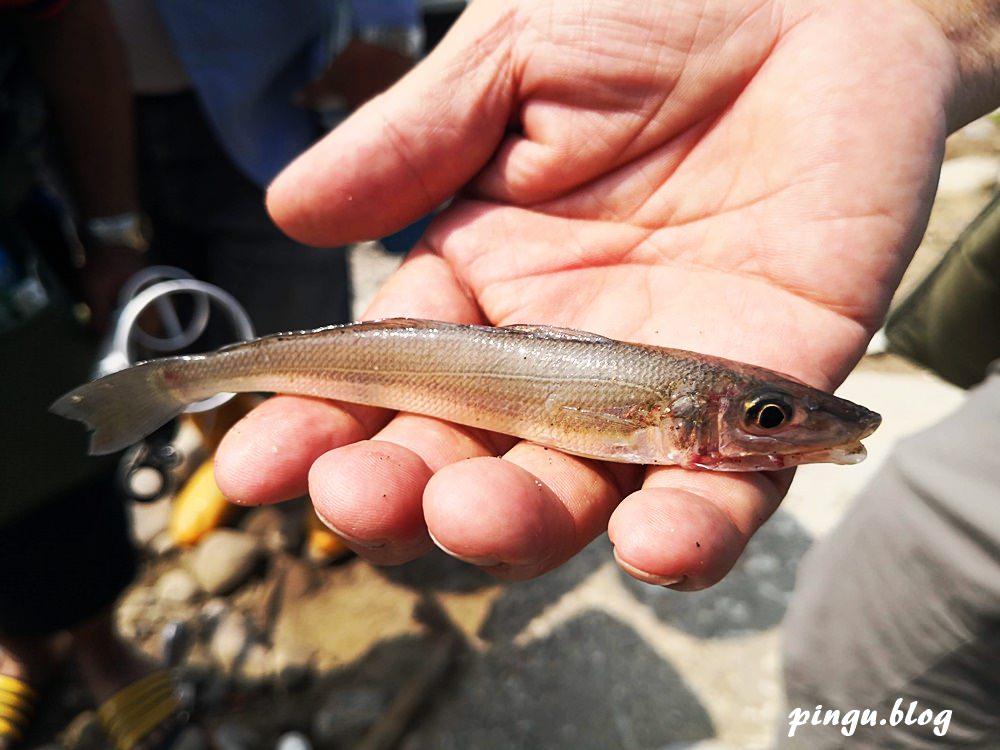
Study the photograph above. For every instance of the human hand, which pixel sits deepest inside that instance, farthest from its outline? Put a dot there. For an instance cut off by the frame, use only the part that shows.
(746, 180)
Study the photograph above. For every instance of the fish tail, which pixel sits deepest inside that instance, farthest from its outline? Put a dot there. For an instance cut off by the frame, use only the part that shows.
(124, 407)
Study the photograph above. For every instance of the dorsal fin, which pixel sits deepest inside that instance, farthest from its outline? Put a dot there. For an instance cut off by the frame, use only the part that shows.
(561, 334)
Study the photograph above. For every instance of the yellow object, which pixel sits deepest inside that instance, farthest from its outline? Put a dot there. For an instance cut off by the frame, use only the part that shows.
(133, 712)
(199, 507)
(322, 545)
(17, 699)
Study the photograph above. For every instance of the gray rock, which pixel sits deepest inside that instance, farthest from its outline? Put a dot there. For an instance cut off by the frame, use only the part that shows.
(163, 544)
(277, 529)
(149, 519)
(236, 736)
(293, 741)
(191, 738)
(347, 714)
(175, 642)
(224, 560)
(292, 666)
(257, 664)
(230, 640)
(177, 585)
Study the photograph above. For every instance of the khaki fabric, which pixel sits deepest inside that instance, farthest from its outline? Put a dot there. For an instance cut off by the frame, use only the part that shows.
(951, 322)
(903, 599)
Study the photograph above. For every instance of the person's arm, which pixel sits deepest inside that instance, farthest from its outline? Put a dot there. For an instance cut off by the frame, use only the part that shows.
(80, 62)
(972, 29)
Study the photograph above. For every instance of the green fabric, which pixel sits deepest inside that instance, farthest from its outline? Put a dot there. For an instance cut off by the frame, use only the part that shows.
(951, 322)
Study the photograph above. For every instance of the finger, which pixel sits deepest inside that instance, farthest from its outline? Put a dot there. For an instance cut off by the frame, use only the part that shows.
(420, 141)
(686, 529)
(380, 512)
(265, 457)
(377, 509)
(525, 514)
(369, 494)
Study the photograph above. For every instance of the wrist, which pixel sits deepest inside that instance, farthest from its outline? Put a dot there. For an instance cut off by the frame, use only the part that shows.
(971, 30)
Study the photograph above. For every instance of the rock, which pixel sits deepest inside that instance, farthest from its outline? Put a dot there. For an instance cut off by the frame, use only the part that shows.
(177, 585)
(191, 738)
(236, 736)
(230, 639)
(224, 560)
(257, 664)
(175, 642)
(293, 666)
(967, 174)
(136, 611)
(293, 741)
(277, 529)
(149, 519)
(298, 579)
(347, 714)
(163, 544)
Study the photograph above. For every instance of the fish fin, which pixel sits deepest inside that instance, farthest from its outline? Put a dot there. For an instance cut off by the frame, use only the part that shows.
(124, 407)
(381, 324)
(557, 333)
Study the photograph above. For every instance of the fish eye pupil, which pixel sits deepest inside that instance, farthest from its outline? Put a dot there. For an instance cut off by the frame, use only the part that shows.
(767, 414)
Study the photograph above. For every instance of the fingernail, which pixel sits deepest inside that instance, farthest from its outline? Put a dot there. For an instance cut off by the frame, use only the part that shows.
(353, 540)
(645, 577)
(483, 562)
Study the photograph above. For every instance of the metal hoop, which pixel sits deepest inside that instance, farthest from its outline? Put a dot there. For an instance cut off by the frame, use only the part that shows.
(121, 345)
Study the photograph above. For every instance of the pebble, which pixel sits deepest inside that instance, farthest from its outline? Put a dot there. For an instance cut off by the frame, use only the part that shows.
(177, 585)
(235, 736)
(257, 664)
(224, 560)
(191, 738)
(347, 714)
(163, 544)
(149, 519)
(277, 530)
(293, 741)
(175, 642)
(230, 639)
(967, 174)
(293, 666)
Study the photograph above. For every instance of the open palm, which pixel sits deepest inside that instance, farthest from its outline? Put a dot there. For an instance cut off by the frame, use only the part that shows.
(747, 180)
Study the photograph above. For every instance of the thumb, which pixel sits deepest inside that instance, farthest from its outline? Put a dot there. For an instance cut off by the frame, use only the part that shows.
(404, 152)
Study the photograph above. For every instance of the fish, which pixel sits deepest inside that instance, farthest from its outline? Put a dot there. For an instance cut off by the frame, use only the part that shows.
(578, 392)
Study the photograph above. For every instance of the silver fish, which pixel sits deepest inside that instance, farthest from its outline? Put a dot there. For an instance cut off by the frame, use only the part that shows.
(578, 392)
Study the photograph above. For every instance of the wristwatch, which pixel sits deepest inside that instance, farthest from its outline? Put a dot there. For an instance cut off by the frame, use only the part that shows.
(124, 230)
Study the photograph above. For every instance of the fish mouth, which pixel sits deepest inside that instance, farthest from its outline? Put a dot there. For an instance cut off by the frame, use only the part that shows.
(871, 423)
(845, 455)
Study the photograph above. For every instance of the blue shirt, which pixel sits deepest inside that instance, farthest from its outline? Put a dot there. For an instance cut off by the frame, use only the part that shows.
(246, 60)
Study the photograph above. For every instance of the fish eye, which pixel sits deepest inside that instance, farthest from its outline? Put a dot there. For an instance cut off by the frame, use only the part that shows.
(768, 412)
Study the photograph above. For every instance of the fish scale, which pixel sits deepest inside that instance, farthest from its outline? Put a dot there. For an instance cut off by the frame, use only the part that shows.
(575, 391)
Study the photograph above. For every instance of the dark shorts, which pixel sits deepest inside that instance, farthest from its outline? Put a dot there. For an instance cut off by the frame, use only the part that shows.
(65, 561)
